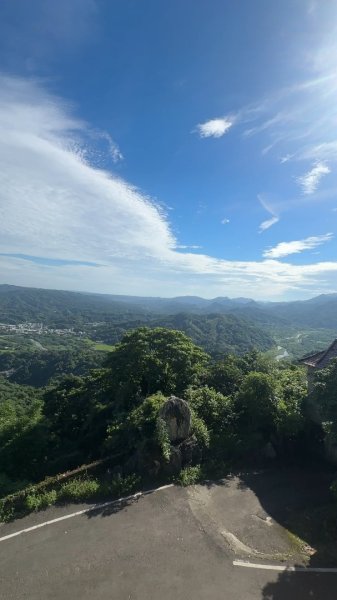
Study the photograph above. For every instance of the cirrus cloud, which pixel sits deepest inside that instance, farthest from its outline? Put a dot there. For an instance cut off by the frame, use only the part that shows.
(309, 181)
(286, 248)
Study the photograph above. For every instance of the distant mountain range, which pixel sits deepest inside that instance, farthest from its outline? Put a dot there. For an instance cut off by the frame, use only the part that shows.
(18, 304)
(219, 325)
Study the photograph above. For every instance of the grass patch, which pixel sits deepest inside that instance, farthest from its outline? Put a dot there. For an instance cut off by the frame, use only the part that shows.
(79, 489)
(102, 347)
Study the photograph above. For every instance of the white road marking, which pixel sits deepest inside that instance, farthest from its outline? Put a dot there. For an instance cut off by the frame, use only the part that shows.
(248, 565)
(85, 511)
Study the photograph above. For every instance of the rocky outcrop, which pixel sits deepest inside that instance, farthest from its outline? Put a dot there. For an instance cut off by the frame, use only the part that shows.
(183, 446)
(177, 416)
(184, 449)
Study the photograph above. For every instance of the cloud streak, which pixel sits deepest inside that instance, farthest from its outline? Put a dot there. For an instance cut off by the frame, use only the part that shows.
(268, 223)
(309, 181)
(274, 216)
(286, 248)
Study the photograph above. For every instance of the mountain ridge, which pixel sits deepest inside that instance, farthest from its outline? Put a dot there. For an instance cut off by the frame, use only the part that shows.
(18, 304)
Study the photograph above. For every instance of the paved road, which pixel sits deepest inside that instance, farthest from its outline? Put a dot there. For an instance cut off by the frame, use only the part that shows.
(156, 548)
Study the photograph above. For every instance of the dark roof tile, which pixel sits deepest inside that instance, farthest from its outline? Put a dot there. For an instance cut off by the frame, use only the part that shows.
(320, 360)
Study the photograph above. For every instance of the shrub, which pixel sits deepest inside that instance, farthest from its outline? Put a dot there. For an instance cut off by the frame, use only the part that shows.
(79, 489)
(48, 498)
(189, 476)
(6, 511)
(33, 501)
(200, 430)
(122, 486)
(211, 406)
(163, 439)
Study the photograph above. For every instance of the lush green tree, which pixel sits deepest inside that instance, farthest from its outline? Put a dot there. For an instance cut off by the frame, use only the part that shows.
(291, 394)
(258, 362)
(215, 409)
(23, 437)
(256, 402)
(66, 408)
(144, 430)
(216, 412)
(78, 415)
(226, 375)
(150, 360)
(324, 396)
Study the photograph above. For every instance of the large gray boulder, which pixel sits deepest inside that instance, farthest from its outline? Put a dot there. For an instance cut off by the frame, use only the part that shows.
(177, 415)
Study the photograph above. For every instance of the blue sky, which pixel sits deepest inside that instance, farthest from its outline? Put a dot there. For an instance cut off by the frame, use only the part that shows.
(169, 148)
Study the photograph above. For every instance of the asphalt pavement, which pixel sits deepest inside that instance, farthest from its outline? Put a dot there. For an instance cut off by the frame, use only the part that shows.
(168, 545)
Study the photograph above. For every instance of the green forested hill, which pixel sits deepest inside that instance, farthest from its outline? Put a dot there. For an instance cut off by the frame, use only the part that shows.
(219, 334)
(23, 362)
(218, 325)
(62, 308)
(58, 308)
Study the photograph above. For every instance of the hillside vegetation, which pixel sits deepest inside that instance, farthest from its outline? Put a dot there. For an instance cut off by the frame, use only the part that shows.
(239, 405)
(84, 378)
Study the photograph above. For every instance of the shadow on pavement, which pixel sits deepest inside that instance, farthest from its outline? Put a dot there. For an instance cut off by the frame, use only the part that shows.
(115, 507)
(299, 500)
(301, 586)
(292, 497)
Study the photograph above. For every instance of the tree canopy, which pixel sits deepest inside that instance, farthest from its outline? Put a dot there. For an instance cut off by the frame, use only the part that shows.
(151, 360)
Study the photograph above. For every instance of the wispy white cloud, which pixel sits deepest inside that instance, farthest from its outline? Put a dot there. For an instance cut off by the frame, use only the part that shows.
(322, 151)
(286, 248)
(299, 122)
(268, 223)
(271, 210)
(286, 158)
(215, 127)
(114, 149)
(55, 204)
(185, 247)
(225, 221)
(309, 181)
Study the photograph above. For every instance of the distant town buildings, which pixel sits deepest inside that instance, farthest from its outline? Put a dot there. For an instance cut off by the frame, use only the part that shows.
(36, 328)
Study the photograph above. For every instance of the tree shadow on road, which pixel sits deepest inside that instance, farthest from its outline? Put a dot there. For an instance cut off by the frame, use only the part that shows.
(112, 507)
(299, 500)
(301, 586)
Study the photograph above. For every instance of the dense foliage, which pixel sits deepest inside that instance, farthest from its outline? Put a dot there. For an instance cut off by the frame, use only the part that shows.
(37, 368)
(238, 405)
(219, 326)
(149, 360)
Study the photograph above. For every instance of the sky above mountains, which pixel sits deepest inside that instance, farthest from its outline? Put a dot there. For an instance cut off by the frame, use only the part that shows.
(169, 148)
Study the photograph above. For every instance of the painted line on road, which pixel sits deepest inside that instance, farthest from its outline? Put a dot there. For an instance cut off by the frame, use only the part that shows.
(248, 565)
(85, 511)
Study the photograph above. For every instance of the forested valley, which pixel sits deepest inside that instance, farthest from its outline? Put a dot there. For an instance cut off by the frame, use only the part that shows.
(91, 398)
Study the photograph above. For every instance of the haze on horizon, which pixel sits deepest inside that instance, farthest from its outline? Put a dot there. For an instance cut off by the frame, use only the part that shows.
(169, 149)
